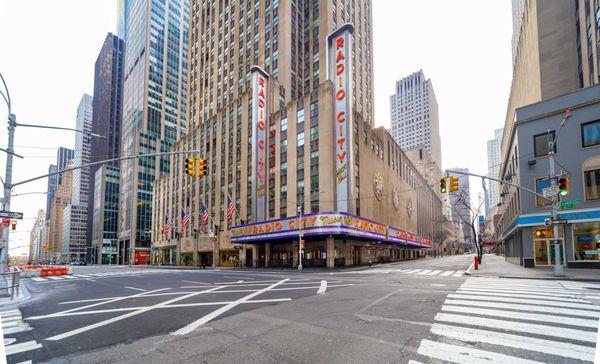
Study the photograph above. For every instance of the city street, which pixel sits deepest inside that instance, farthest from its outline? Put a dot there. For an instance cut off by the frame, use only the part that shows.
(406, 312)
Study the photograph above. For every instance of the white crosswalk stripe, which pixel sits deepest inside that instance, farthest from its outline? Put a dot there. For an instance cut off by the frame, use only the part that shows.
(12, 323)
(415, 271)
(514, 321)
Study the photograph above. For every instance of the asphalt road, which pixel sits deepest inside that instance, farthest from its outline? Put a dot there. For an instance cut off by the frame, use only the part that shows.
(410, 312)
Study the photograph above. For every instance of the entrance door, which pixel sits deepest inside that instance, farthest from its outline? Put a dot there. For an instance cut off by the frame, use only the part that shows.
(355, 255)
(544, 251)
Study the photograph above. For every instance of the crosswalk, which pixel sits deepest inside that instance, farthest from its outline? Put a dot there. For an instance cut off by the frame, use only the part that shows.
(92, 275)
(416, 272)
(495, 320)
(12, 326)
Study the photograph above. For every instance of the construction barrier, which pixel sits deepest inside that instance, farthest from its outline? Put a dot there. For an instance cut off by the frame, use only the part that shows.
(44, 271)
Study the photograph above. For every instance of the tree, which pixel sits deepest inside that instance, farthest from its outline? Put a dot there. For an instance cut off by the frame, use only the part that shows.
(462, 198)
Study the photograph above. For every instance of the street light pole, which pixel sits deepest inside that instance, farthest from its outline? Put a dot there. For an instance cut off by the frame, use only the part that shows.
(300, 207)
(558, 269)
(7, 189)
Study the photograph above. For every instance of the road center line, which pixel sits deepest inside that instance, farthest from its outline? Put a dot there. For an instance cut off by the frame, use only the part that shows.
(194, 325)
(127, 315)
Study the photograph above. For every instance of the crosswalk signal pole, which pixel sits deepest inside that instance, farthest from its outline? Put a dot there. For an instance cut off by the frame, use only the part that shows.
(7, 187)
(558, 268)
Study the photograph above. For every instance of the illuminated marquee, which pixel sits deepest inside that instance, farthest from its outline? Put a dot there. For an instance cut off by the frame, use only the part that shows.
(340, 73)
(260, 118)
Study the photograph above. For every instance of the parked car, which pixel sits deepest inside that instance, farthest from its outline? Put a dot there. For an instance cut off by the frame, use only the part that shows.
(78, 262)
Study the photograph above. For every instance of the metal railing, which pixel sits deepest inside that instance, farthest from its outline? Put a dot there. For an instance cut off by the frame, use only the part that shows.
(15, 280)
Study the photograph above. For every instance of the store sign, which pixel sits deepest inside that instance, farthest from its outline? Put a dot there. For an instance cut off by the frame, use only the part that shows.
(323, 224)
(340, 73)
(260, 117)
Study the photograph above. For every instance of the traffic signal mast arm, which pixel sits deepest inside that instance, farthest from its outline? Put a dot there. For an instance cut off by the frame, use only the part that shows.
(500, 181)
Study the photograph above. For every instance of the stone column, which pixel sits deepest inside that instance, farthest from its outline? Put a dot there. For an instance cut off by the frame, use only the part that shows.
(267, 254)
(255, 255)
(216, 252)
(295, 254)
(178, 252)
(242, 253)
(330, 252)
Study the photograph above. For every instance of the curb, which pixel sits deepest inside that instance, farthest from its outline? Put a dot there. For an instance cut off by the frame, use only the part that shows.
(540, 278)
(24, 296)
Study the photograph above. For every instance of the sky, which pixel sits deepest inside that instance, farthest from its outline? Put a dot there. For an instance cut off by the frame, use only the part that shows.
(48, 50)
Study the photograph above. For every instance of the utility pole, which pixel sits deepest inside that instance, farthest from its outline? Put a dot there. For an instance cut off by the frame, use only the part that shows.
(300, 237)
(12, 120)
(558, 269)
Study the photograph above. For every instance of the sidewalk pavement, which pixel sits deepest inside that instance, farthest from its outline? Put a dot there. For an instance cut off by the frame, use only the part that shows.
(495, 266)
(5, 299)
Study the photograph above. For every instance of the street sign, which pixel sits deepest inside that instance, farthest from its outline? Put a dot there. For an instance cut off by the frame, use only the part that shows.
(12, 215)
(550, 191)
(564, 205)
(548, 221)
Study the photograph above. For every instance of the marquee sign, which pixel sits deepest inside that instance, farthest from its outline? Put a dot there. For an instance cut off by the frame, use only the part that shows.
(260, 117)
(325, 223)
(340, 73)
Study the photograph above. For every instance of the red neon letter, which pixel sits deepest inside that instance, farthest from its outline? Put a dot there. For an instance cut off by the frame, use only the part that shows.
(341, 117)
(340, 94)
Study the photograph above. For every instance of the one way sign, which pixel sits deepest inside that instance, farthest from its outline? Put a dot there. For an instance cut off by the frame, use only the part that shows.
(12, 215)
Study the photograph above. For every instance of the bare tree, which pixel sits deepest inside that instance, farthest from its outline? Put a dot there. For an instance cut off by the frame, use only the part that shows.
(462, 198)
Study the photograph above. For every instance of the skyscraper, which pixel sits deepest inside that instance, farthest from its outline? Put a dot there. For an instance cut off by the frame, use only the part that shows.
(414, 114)
(518, 9)
(281, 107)
(81, 176)
(494, 157)
(63, 155)
(154, 107)
(106, 121)
(460, 202)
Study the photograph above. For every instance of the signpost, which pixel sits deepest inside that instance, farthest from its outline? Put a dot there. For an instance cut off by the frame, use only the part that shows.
(12, 215)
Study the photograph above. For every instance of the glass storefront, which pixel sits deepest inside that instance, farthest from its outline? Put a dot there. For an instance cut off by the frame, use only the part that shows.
(543, 245)
(586, 241)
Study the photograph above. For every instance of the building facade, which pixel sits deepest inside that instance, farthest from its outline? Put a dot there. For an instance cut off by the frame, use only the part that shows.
(494, 158)
(106, 121)
(62, 198)
(521, 227)
(460, 204)
(105, 217)
(36, 243)
(284, 139)
(414, 114)
(82, 155)
(63, 155)
(154, 108)
(74, 246)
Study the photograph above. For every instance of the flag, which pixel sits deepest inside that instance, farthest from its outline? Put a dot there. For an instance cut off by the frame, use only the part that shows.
(167, 229)
(203, 215)
(185, 219)
(230, 209)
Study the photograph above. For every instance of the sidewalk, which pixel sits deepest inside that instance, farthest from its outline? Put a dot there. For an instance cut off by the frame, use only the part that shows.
(496, 266)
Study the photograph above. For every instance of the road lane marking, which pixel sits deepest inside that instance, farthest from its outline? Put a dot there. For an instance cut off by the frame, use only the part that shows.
(38, 279)
(81, 276)
(55, 278)
(513, 291)
(458, 274)
(134, 288)
(520, 307)
(466, 355)
(426, 271)
(538, 329)
(597, 356)
(584, 306)
(195, 282)
(544, 298)
(206, 318)
(95, 304)
(514, 341)
(523, 316)
(127, 315)
(322, 287)
(22, 347)
(434, 273)
(447, 273)
(412, 271)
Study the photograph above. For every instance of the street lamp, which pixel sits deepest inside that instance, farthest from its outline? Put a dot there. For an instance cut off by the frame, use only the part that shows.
(300, 207)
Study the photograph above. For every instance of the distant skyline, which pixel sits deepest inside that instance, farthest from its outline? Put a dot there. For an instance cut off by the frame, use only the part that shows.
(49, 70)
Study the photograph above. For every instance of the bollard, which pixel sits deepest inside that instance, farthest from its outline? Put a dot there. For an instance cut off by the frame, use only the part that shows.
(476, 263)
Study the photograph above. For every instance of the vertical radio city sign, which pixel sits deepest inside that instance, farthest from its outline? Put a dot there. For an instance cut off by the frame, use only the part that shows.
(339, 71)
(260, 118)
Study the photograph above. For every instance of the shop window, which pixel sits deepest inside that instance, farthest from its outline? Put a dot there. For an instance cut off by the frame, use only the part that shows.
(540, 143)
(592, 184)
(540, 184)
(586, 241)
(590, 134)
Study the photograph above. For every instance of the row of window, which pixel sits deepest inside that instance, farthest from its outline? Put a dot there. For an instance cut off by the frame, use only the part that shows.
(590, 136)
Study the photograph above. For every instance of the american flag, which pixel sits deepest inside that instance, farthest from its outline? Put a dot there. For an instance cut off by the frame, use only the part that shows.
(185, 219)
(203, 215)
(167, 226)
(230, 209)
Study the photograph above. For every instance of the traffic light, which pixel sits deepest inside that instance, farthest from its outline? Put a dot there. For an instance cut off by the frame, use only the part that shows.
(190, 166)
(202, 167)
(443, 185)
(453, 184)
(543, 233)
(563, 186)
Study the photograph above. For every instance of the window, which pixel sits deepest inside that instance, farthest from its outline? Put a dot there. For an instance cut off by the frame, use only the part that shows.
(284, 124)
(300, 116)
(540, 143)
(300, 139)
(586, 241)
(592, 184)
(590, 134)
(540, 184)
